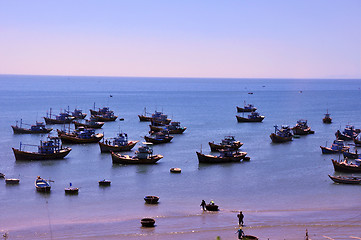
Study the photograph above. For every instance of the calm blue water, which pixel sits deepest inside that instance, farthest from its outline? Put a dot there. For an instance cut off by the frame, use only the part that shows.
(284, 177)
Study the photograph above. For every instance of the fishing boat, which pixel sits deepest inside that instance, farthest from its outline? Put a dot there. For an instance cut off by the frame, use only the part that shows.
(104, 182)
(173, 128)
(147, 222)
(228, 142)
(347, 165)
(100, 111)
(50, 149)
(2, 175)
(302, 128)
(159, 137)
(253, 117)
(175, 170)
(78, 114)
(336, 147)
(144, 155)
(357, 141)
(42, 185)
(349, 133)
(80, 135)
(346, 179)
(352, 155)
(144, 117)
(246, 108)
(89, 124)
(226, 155)
(118, 144)
(151, 199)
(282, 135)
(327, 118)
(62, 118)
(71, 189)
(12, 180)
(107, 117)
(159, 119)
(39, 127)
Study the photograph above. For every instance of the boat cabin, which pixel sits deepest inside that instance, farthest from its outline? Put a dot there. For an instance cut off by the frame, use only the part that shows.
(50, 146)
(121, 140)
(338, 145)
(253, 115)
(84, 133)
(228, 140)
(226, 153)
(144, 151)
(38, 126)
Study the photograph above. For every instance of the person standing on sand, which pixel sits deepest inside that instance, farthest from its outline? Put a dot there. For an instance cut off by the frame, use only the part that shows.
(240, 233)
(240, 218)
(203, 205)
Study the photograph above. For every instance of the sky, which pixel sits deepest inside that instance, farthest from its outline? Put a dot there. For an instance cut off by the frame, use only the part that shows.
(182, 38)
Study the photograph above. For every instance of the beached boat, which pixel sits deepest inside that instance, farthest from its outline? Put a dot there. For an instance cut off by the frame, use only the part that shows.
(117, 144)
(62, 118)
(327, 118)
(212, 207)
(42, 185)
(336, 147)
(349, 133)
(302, 128)
(147, 222)
(78, 114)
(159, 137)
(144, 117)
(173, 128)
(253, 117)
(228, 142)
(71, 189)
(151, 199)
(226, 155)
(347, 165)
(282, 135)
(346, 179)
(80, 135)
(246, 108)
(104, 182)
(144, 155)
(159, 119)
(39, 127)
(89, 124)
(249, 237)
(12, 180)
(50, 149)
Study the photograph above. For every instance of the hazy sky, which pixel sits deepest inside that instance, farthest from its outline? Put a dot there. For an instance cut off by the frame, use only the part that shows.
(170, 38)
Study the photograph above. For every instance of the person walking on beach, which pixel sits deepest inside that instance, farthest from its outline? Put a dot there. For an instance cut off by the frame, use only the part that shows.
(240, 218)
(240, 233)
(203, 205)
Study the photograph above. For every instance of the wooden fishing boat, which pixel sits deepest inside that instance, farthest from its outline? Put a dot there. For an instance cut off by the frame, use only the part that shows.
(62, 118)
(357, 141)
(173, 128)
(349, 133)
(144, 155)
(352, 155)
(80, 135)
(282, 135)
(159, 137)
(39, 127)
(47, 150)
(327, 119)
(117, 144)
(246, 108)
(100, 111)
(226, 155)
(175, 170)
(346, 179)
(12, 181)
(336, 147)
(347, 166)
(78, 114)
(104, 182)
(109, 117)
(212, 207)
(71, 190)
(302, 128)
(253, 117)
(159, 119)
(151, 199)
(144, 117)
(229, 142)
(147, 222)
(42, 185)
(89, 124)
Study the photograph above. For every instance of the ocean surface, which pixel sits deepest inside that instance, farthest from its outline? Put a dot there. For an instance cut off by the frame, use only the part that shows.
(282, 184)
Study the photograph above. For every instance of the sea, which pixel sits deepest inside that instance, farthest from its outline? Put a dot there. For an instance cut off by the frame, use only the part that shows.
(283, 190)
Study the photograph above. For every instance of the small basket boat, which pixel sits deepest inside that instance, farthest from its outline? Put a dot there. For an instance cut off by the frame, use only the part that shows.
(175, 170)
(151, 199)
(212, 207)
(147, 222)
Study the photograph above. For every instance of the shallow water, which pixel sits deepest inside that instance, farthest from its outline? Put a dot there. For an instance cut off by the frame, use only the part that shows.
(290, 177)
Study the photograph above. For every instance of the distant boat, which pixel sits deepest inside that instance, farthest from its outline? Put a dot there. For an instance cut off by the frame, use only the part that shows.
(39, 127)
(229, 142)
(103, 115)
(336, 147)
(159, 137)
(159, 119)
(302, 128)
(357, 141)
(104, 182)
(89, 124)
(62, 118)
(246, 108)
(2, 175)
(42, 185)
(50, 149)
(12, 181)
(349, 133)
(347, 166)
(281, 135)
(147, 222)
(253, 117)
(144, 155)
(78, 114)
(80, 135)
(327, 118)
(345, 179)
(175, 170)
(144, 117)
(352, 155)
(224, 157)
(173, 128)
(71, 189)
(100, 111)
(117, 144)
(151, 199)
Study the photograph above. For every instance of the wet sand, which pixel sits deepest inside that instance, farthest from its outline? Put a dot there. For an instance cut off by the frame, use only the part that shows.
(289, 224)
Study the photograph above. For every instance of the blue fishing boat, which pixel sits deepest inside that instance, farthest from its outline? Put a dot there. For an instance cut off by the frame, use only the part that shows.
(42, 185)
(39, 127)
(118, 144)
(336, 147)
(159, 119)
(253, 117)
(352, 155)
(62, 118)
(302, 128)
(349, 133)
(282, 135)
(78, 114)
(225, 156)
(159, 137)
(246, 108)
(80, 135)
(172, 128)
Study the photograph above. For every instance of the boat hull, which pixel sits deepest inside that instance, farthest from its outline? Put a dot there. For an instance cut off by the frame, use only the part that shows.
(43, 189)
(202, 158)
(100, 118)
(243, 119)
(278, 139)
(216, 147)
(97, 126)
(346, 180)
(110, 148)
(23, 155)
(117, 158)
(351, 155)
(239, 109)
(327, 150)
(212, 207)
(71, 190)
(158, 141)
(19, 130)
(340, 167)
(143, 118)
(67, 138)
(301, 131)
(172, 131)
(55, 121)
(327, 120)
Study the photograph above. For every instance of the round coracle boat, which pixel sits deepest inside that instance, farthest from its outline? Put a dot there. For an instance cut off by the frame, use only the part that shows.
(151, 199)
(147, 222)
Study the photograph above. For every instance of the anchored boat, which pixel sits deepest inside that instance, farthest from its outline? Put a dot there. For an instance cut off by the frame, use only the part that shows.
(246, 108)
(80, 135)
(226, 155)
(42, 185)
(117, 144)
(302, 128)
(62, 118)
(282, 135)
(253, 117)
(349, 133)
(144, 155)
(39, 127)
(229, 142)
(336, 147)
